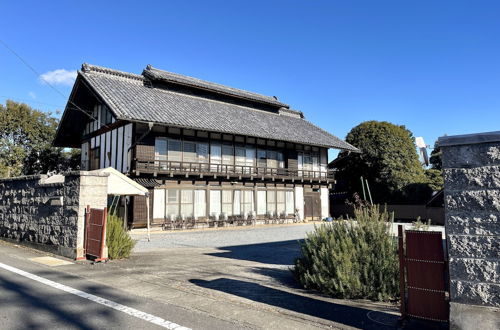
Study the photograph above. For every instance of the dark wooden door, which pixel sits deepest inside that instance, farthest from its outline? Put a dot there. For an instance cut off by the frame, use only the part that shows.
(312, 206)
(308, 207)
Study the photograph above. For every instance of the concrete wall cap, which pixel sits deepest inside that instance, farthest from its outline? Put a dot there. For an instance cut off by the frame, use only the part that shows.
(24, 177)
(455, 140)
(85, 173)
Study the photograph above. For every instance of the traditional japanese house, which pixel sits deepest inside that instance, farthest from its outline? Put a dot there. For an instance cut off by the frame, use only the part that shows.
(206, 152)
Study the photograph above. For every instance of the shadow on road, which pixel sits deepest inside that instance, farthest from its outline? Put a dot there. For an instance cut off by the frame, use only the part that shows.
(347, 315)
(278, 253)
(43, 307)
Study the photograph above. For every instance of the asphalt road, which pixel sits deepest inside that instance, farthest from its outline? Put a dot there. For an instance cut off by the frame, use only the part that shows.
(26, 303)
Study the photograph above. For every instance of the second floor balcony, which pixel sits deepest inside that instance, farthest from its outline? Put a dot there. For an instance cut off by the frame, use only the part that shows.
(187, 169)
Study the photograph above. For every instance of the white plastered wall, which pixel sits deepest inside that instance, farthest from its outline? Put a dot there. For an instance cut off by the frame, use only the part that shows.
(299, 201)
(324, 202)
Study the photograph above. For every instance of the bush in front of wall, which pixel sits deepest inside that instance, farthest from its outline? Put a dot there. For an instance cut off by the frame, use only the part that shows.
(354, 258)
(119, 242)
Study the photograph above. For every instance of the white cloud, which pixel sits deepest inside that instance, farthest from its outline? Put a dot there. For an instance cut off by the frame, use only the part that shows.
(32, 95)
(59, 77)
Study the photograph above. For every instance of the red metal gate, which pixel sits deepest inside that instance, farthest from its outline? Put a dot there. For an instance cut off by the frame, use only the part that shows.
(423, 279)
(95, 233)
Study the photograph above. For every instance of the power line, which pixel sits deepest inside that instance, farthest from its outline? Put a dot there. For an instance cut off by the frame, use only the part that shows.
(17, 99)
(49, 84)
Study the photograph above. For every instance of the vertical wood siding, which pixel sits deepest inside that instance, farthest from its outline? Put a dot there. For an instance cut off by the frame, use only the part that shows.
(114, 146)
(127, 143)
(119, 149)
(108, 149)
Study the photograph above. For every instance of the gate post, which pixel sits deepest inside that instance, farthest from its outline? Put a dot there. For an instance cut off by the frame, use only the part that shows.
(402, 293)
(85, 229)
(103, 256)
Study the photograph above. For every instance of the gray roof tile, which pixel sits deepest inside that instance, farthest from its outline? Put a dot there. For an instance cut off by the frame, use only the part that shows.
(130, 98)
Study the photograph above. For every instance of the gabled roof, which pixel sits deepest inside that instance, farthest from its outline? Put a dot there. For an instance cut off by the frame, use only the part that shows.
(140, 98)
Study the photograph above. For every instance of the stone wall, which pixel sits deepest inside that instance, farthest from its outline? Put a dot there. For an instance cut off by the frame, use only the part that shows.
(48, 213)
(472, 212)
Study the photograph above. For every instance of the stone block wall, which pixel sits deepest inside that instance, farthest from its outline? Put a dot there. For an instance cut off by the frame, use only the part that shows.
(50, 216)
(471, 166)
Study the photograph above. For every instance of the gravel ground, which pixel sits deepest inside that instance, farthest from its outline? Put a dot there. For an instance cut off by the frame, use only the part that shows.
(231, 236)
(221, 237)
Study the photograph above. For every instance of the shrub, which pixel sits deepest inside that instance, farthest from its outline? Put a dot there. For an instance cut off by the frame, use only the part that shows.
(352, 258)
(119, 243)
(420, 225)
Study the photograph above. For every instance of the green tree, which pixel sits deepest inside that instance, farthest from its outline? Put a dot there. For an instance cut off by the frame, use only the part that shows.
(435, 160)
(435, 179)
(26, 137)
(388, 160)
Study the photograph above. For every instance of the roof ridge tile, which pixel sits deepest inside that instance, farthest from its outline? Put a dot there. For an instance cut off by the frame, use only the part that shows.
(158, 74)
(86, 68)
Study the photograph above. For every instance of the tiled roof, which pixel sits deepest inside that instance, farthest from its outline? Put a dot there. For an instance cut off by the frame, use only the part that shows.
(155, 74)
(131, 97)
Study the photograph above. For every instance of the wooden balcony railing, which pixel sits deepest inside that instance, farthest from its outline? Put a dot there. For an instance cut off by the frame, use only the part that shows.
(193, 168)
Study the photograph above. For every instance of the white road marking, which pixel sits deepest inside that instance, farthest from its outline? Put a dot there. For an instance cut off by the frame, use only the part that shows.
(119, 307)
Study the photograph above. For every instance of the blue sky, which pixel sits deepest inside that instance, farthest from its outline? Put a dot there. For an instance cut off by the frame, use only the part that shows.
(433, 66)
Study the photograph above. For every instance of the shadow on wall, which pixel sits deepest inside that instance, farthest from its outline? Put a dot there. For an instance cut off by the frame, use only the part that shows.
(277, 253)
(347, 315)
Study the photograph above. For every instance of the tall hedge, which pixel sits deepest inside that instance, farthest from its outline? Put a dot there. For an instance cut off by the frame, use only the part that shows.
(351, 258)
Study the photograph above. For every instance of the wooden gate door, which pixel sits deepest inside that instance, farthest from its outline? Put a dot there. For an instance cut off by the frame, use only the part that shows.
(423, 289)
(95, 233)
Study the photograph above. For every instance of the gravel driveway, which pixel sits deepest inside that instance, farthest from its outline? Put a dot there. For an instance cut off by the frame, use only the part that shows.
(220, 237)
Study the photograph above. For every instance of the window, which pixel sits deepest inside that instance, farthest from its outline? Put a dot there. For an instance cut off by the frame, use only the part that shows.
(161, 153)
(271, 202)
(261, 160)
(289, 203)
(202, 152)
(215, 199)
(227, 202)
(307, 162)
(250, 159)
(240, 159)
(300, 162)
(281, 160)
(280, 202)
(271, 159)
(200, 203)
(189, 152)
(237, 202)
(261, 202)
(187, 203)
(172, 202)
(174, 150)
(247, 202)
(323, 160)
(94, 157)
(315, 165)
(227, 158)
(215, 156)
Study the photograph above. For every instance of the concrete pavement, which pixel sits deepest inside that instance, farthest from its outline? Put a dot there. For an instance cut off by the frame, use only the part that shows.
(226, 279)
